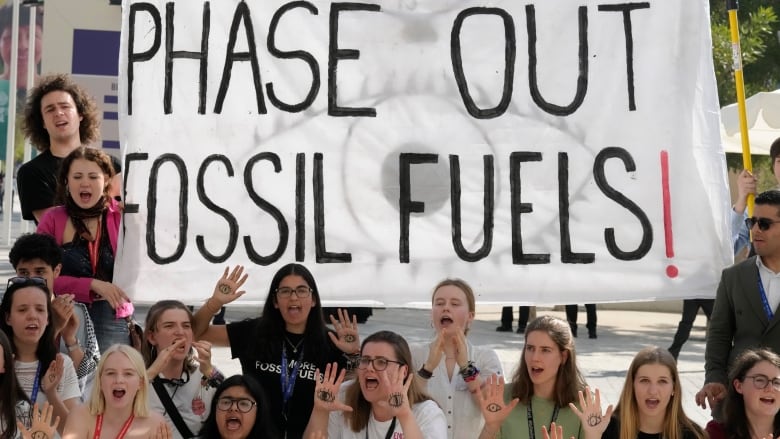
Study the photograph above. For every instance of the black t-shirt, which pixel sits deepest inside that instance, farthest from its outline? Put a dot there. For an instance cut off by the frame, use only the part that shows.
(267, 370)
(36, 181)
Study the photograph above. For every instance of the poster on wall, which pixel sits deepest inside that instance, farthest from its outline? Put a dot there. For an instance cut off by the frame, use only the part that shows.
(546, 153)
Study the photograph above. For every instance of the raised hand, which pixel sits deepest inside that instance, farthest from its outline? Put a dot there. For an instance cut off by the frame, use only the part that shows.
(51, 379)
(435, 353)
(398, 391)
(491, 402)
(62, 312)
(556, 432)
(346, 338)
(327, 389)
(42, 426)
(458, 339)
(228, 287)
(163, 431)
(163, 357)
(593, 422)
(203, 348)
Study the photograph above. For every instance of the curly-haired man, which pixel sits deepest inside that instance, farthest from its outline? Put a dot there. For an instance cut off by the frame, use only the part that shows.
(59, 117)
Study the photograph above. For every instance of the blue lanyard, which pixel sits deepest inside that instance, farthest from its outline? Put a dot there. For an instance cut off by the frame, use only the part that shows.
(36, 383)
(764, 300)
(288, 381)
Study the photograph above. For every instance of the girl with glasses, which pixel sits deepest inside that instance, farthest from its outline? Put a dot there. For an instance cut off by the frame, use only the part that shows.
(86, 226)
(285, 345)
(752, 404)
(43, 374)
(183, 383)
(650, 405)
(239, 410)
(546, 382)
(117, 407)
(387, 399)
(451, 368)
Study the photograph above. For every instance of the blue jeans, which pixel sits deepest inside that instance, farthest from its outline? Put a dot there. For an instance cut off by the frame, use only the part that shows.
(108, 329)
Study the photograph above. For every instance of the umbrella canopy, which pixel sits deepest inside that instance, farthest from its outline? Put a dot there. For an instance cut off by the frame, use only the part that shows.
(763, 121)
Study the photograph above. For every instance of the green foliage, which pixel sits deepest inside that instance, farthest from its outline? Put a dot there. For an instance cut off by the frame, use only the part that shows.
(762, 169)
(758, 26)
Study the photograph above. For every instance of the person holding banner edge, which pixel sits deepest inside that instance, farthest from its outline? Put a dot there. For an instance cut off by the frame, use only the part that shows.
(744, 314)
(283, 347)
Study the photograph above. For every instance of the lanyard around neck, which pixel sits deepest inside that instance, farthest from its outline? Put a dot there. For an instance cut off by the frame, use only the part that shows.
(767, 309)
(288, 379)
(122, 432)
(93, 247)
(530, 411)
(36, 383)
(390, 430)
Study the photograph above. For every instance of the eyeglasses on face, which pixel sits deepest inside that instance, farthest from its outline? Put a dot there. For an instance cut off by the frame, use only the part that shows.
(761, 381)
(23, 281)
(244, 405)
(763, 223)
(301, 292)
(380, 363)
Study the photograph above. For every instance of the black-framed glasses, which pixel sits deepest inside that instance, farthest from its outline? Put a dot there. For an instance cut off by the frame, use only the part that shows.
(380, 363)
(761, 381)
(23, 281)
(243, 405)
(286, 292)
(763, 223)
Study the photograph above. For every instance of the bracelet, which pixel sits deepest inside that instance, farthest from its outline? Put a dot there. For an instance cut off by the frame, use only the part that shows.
(424, 374)
(469, 372)
(74, 346)
(214, 379)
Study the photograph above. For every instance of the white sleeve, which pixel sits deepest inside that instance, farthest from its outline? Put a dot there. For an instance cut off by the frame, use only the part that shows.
(431, 420)
(69, 383)
(488, 363)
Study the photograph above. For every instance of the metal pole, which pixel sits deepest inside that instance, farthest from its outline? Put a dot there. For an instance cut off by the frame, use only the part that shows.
(31, 71)
(11, 134)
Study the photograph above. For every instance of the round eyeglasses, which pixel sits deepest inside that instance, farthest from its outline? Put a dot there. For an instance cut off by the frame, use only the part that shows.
(244, 405)
(762, 381)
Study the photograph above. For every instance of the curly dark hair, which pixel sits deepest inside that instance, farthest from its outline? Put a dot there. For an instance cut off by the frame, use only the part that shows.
(32, 124)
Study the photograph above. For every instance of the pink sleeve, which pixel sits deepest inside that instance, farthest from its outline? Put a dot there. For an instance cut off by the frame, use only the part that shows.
(78, 286)
(47, 225)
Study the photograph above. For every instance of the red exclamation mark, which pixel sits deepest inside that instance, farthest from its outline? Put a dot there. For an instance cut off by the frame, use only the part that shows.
(671, 270)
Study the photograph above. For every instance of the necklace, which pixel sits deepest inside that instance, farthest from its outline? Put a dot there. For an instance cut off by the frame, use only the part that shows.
(294, 346)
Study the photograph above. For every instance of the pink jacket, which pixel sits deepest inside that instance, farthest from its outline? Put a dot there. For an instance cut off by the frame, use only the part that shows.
(53, 224)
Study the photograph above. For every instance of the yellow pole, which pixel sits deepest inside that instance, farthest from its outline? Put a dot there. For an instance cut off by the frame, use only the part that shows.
(736, 55)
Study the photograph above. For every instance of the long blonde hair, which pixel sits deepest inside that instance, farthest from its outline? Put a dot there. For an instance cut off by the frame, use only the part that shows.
(97, 402)
(675, 420)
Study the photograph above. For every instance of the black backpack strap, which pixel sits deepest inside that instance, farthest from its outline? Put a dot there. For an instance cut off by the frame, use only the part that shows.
(174, 414)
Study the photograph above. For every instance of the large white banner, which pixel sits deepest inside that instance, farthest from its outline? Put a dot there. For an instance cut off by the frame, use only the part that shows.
(546, 152)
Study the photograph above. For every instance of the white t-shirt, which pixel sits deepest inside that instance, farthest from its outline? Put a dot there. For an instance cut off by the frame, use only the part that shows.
(428, 415)
(188, 399)
(68, 387)
(464, 417)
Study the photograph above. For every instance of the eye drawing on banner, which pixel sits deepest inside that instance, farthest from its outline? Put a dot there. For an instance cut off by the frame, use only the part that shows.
(407, 140)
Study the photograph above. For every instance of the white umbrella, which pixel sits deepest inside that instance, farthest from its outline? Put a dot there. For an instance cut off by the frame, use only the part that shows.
(763, 120)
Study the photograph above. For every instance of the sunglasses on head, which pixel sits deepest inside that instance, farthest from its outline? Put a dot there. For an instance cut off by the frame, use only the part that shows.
(26, 281)
(763, 223)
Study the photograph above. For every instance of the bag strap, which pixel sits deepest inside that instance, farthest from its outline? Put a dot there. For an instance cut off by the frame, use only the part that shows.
(174, 414)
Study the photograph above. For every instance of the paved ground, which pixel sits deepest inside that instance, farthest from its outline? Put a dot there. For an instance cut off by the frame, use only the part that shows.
(603, 361)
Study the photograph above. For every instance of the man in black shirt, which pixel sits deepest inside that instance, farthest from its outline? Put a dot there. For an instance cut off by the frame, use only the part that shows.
(59, 117)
